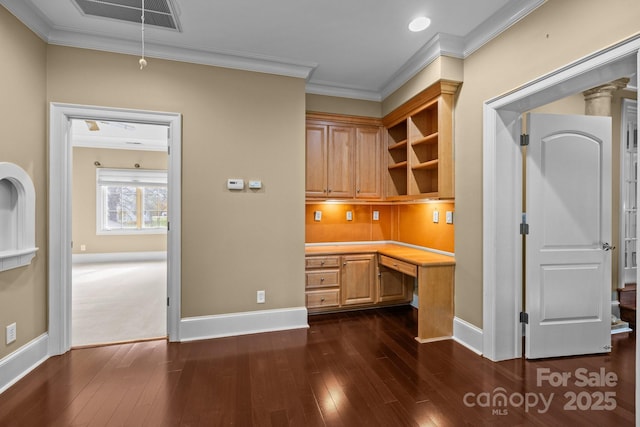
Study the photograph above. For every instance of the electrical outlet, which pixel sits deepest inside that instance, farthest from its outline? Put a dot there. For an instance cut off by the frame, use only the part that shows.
(260, 297)
(317, 215)
(349, 216)
(436, 217)
(83, 248)
(11, 333)
(449, 217)
(376, 215)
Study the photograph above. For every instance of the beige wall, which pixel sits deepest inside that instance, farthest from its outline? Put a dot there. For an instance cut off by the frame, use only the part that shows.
(552, 36)
(235, 125)
(84, 200)
(23, 291)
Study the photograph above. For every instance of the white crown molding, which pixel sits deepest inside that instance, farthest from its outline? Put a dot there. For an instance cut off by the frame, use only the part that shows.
(234, 60)
(499, 22)
(440, 45)
(328, 89)
(460, 47)
(29, 16)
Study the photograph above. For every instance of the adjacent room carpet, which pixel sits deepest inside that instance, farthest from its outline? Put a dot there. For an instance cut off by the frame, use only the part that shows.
(120, 301)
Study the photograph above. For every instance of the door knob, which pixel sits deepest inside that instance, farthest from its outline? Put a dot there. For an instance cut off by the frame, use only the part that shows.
(607, 247)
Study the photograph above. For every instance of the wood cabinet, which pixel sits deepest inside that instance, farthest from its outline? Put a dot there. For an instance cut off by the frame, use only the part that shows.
(343, 157)
(358, 279)
(394, 286)
(336, 282)
(322, 287)
(419, 151)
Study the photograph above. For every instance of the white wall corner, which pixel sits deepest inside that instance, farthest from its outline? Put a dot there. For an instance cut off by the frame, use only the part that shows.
(244, 323)
(468, 335)
(16, 365)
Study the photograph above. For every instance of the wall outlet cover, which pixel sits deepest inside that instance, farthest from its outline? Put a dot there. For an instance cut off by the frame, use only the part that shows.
(376, 215)
(449, 217)
(349, 216)
(11, 333)
(436, 216)
(317, 215)
(260, 297)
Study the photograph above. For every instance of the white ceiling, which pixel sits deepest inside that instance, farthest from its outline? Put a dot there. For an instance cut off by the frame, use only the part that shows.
(353, 48)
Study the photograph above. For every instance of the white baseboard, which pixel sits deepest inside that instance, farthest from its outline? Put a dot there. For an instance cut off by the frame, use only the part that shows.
(119, 257)
(251, 322)
(22, 361)
(468, 335)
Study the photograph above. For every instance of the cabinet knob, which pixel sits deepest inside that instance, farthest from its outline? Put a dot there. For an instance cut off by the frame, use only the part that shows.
(322, 262)
(357, 190)
(322, 279)
(322, 299)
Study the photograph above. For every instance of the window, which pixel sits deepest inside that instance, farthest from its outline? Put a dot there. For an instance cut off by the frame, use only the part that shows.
(131, 201)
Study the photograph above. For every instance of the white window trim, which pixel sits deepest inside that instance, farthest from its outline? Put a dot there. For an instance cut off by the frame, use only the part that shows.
(125, 176)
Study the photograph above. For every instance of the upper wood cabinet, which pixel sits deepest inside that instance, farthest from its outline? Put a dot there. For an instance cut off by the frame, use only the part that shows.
(343, 157)
(419, 148)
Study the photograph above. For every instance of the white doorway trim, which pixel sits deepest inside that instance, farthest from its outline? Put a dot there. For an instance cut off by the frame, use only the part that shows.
(502, 185)
(59, 289)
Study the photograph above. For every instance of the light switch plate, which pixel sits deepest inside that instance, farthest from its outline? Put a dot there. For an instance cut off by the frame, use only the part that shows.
(449, 217)
(436, 216)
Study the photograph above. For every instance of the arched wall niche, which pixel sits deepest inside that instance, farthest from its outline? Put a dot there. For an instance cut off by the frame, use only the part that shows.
(17, 217)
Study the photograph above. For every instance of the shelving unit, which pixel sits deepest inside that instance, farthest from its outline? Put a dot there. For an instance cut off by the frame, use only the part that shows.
(420, 145)
(629, 189)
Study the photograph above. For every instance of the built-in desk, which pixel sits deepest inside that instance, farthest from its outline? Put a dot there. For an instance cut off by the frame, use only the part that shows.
(434, 273)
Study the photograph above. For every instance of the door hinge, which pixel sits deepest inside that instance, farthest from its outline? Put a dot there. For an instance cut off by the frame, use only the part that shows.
(524, 140)
(168, 150)
(524, 317)
(168, 225)
(168, 302)
(524, 227)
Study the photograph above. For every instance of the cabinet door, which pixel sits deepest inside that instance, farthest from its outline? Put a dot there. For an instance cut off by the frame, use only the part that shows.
(316, 166)
(358, 279)
(340, 162)
(367, 165)
(394, 286)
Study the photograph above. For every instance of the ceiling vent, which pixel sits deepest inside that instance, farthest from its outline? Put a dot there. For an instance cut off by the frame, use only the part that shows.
(159, 13)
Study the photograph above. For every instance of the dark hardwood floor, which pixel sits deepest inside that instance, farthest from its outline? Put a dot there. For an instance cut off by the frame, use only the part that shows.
(350, 369)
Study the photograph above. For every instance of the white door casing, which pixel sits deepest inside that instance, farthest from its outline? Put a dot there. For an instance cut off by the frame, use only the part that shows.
(59, 287)
(568, 268)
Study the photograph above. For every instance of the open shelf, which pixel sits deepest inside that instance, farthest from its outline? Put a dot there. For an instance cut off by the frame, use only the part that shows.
(420, 144)
(431, 164)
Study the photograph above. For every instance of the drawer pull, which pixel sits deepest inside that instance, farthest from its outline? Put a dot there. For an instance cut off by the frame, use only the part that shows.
(322, 279)
(322, 299)
(322, 262)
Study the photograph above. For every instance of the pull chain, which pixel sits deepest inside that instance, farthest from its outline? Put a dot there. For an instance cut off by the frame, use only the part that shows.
(142, 61)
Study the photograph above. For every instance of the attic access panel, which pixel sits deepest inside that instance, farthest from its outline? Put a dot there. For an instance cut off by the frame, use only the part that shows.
(159, 13)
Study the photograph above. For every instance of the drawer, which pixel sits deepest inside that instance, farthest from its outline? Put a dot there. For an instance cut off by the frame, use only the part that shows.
(401, 266)
(323, 299)
(322, 261)
(322, 278)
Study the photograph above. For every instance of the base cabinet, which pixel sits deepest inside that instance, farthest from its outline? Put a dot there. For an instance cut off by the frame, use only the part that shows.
(358, 279)
(394, 286)
(354, 280)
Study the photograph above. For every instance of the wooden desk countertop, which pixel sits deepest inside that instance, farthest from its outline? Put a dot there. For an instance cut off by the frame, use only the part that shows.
(419, 257)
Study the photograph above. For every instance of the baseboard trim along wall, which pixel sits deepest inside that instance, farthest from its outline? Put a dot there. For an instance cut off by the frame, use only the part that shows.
(251, 322)
(467, 335)
(16, 365)
(119, 257)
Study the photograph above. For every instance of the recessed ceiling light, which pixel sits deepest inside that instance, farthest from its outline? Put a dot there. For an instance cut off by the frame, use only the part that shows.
(419, 24)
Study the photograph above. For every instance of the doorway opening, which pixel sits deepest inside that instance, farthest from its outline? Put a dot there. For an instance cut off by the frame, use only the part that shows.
(60, 212)
(119, 227)
(502, 186)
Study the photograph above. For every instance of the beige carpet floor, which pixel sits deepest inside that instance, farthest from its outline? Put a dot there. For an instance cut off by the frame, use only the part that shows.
(120, 301)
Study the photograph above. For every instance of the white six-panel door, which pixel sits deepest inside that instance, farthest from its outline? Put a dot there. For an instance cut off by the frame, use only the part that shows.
(568, 262)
